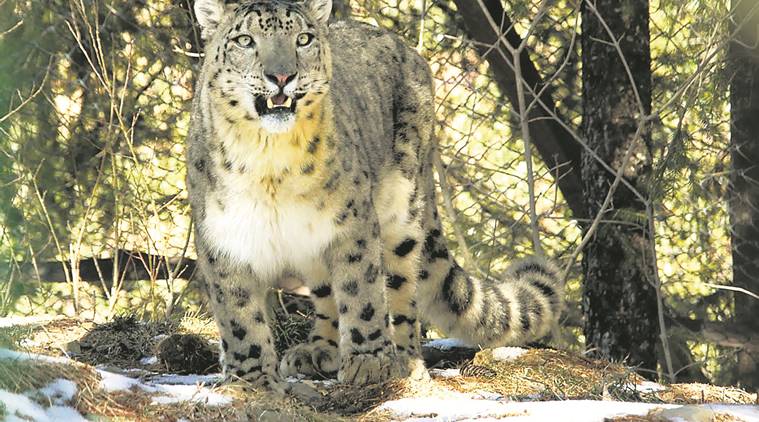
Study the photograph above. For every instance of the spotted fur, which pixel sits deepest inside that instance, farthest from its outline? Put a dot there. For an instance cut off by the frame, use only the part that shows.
(309, 154)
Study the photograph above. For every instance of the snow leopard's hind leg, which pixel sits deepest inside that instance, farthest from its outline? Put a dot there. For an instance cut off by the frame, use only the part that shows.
(401, 250)
(400, 205)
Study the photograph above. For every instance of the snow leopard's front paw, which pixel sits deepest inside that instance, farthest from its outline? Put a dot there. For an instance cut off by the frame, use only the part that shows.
(257, 382)
(367, 368)
(313, 359)
(412, 366)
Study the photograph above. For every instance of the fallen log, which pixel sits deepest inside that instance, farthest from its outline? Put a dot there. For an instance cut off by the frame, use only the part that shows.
(721, 333)
(127, 266)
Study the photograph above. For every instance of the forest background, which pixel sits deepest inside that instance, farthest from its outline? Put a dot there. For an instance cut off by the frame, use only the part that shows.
(617, 136)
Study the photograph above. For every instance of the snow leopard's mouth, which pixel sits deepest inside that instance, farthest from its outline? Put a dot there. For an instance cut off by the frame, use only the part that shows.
(276, 104)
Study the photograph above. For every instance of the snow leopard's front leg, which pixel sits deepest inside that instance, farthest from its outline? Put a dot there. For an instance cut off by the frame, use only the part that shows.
(238, 300)
(319, 356)
(367, 353)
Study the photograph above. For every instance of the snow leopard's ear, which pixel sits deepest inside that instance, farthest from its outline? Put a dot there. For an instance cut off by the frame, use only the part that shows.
(320, 9)
(210, 14)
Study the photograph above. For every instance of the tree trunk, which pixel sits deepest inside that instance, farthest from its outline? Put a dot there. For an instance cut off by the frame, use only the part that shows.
(341, 9)
(744, 179)
(619, 301)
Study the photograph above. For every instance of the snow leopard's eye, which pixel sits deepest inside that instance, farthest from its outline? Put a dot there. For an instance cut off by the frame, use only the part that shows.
(304, 39)
(244, 41)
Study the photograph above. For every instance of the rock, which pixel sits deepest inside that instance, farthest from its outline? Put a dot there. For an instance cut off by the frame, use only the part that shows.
(446, 353)
(73, 347)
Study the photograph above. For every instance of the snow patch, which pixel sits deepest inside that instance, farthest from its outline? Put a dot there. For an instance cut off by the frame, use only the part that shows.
(649, 387)
(178, 393)
(111, 382)
(165, 388)
(168, 388)
(19, 407)
(59, 391)
(507, 354)
(28, 342)
(431, 408)
(64, 413)
(744, 411)
(447, 343)
(149, 360)
(486, 395)
(186, 379)
(458, 408)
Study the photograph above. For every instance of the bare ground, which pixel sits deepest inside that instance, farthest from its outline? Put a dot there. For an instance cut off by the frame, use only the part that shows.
(129, 347)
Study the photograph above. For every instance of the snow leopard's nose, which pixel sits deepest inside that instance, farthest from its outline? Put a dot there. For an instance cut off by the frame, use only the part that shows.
(281, 79)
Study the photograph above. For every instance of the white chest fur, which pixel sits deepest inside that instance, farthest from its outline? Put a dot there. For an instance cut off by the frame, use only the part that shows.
(269, 236)
(250, 223)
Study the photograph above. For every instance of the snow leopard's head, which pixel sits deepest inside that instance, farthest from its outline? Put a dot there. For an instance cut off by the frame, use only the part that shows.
(266, 60)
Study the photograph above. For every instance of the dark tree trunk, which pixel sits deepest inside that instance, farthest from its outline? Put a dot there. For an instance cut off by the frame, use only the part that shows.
(744, 180)
(619, 301)
(555, 145)
(341, 9)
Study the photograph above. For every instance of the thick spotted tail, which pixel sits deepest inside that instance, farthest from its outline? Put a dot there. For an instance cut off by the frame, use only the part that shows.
(525, 305)
(522, 307)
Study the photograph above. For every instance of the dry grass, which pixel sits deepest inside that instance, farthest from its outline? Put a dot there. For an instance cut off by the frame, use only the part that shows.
(187, 354)
(246, 406)
(123, 341)
(19, 376)
(11, 337)
(290, 329)
(545, 374)
(352, 400)
(50, 338)
(201, 324)
(704, 393)
(135, 405)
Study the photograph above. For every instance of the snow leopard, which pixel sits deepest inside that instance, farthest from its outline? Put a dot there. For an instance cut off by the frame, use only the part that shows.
(310, 153)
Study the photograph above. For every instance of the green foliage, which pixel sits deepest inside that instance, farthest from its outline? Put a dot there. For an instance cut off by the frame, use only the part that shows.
(93, 160)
